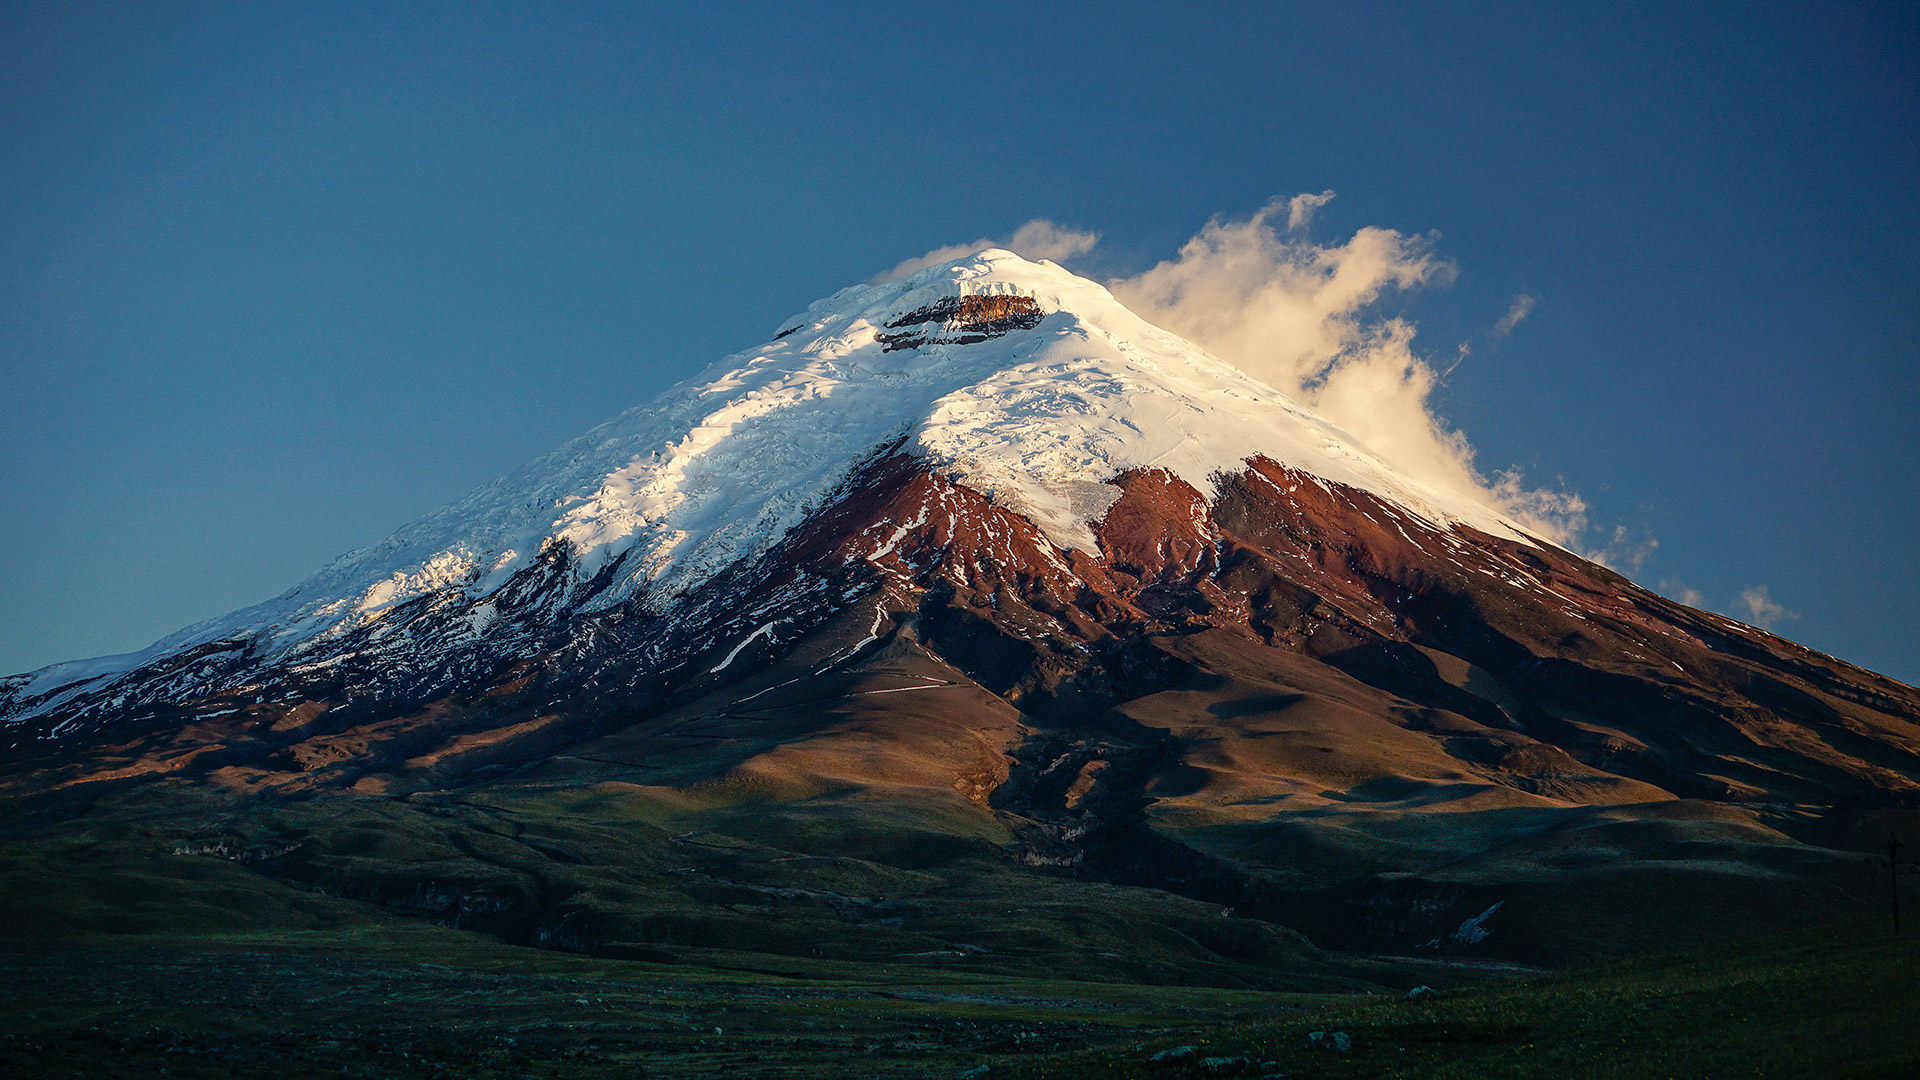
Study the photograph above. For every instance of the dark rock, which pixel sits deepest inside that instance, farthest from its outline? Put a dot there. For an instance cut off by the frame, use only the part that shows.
(1337, 1041)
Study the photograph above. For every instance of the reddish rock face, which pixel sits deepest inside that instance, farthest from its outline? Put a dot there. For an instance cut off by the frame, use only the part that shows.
(1159, 531)
(1522, 661)
(963, 320)
(1593, 670)
(913, 527)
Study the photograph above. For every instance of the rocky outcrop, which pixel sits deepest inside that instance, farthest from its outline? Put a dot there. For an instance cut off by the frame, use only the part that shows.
(963, 320)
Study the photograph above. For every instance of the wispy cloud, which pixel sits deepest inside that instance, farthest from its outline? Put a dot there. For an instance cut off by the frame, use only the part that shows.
(1522, 307)
(1299, 315)
(1301, 208)
(1761, 609)
(1684, 593)
(1037, 239)
(1627, 551)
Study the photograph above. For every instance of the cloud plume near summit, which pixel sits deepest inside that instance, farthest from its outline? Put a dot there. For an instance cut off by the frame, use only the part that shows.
(1295, 313)
(1261, 294)
(1036, 240)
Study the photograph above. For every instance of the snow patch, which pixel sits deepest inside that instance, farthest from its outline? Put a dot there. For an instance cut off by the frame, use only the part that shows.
(1474, 931)
(744, 642)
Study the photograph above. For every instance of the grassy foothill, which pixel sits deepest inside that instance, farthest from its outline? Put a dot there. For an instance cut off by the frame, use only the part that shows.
(410, 1000)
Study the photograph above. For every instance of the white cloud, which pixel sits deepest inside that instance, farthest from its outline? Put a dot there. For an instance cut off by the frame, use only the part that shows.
(1037, 239)
(1301, 208)
(1684, 593)
(1297, 314)
(1625, 551)
(1762, 610)
(1522, 307)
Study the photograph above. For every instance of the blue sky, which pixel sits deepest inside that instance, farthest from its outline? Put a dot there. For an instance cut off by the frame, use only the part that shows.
(276, 279)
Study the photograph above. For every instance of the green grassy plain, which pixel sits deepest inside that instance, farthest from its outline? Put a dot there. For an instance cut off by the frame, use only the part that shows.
(400, 998)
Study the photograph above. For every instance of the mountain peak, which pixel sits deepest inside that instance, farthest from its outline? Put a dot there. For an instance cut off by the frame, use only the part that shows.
(1019, 380)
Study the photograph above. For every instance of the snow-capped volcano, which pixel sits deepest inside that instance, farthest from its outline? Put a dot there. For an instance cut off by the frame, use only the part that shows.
(982, 551)
(1015, 379)
(1030, 552)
